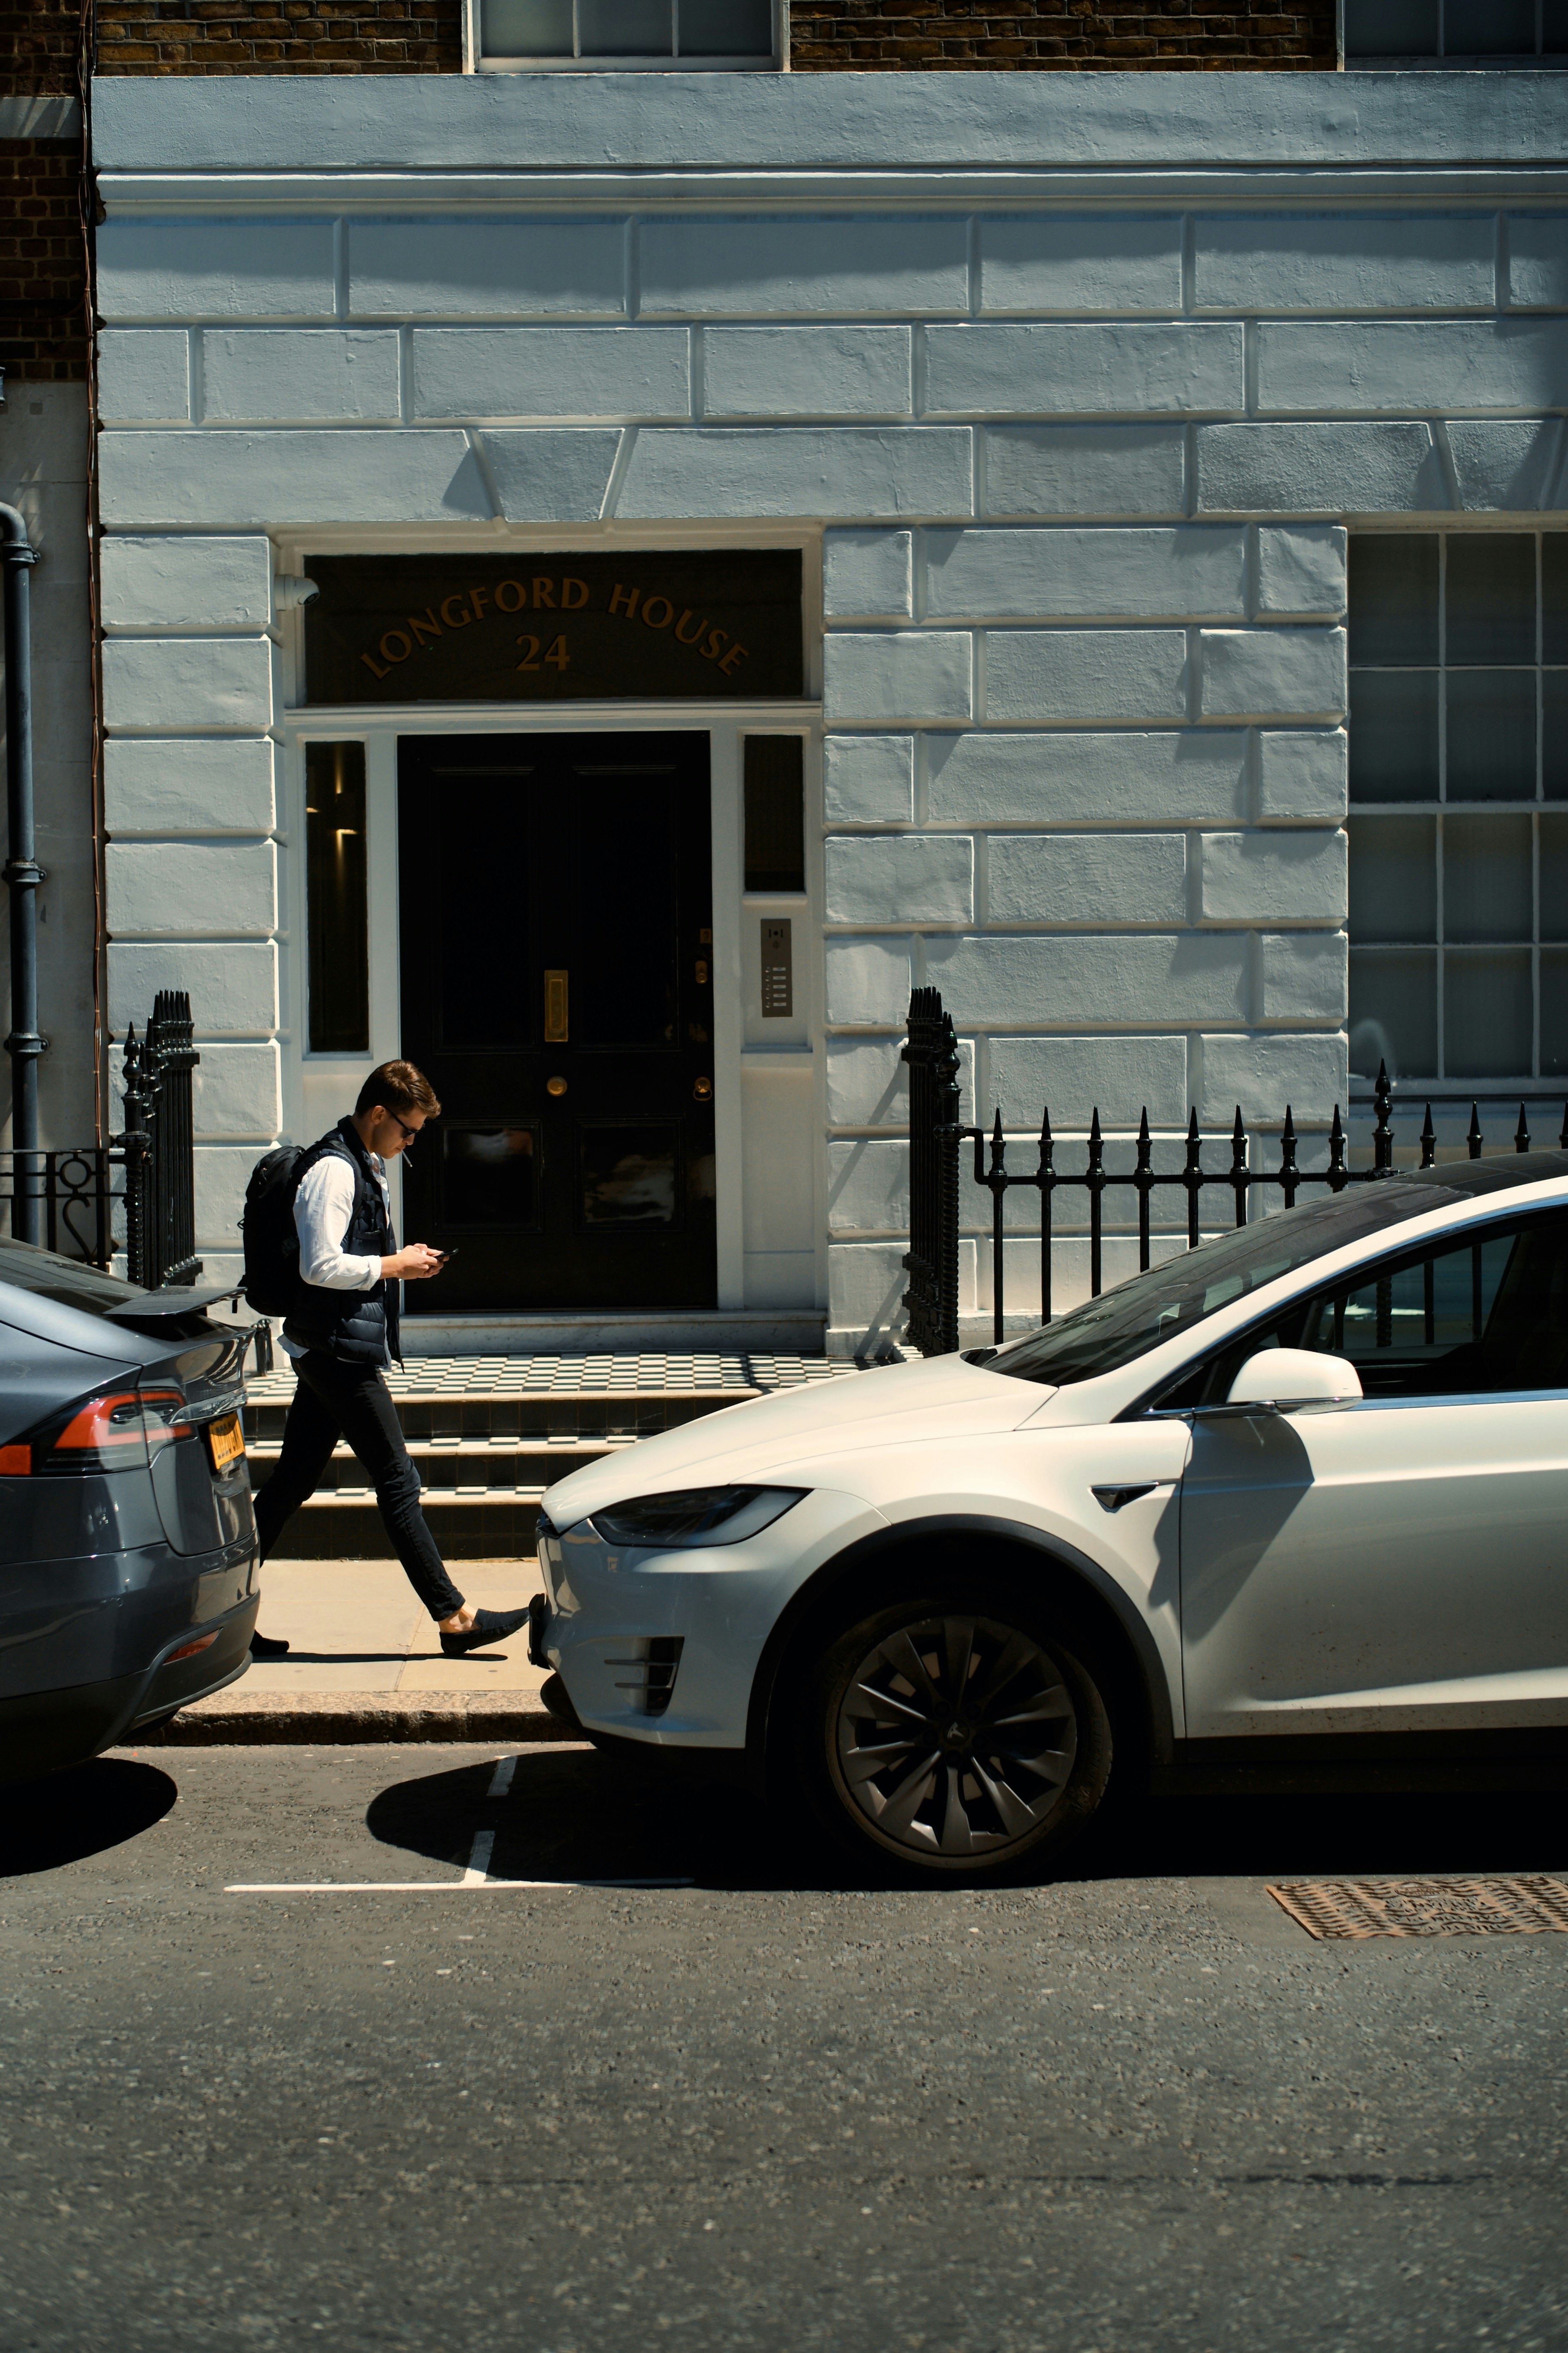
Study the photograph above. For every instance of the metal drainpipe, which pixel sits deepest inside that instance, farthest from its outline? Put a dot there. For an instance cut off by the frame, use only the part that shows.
(22, 873)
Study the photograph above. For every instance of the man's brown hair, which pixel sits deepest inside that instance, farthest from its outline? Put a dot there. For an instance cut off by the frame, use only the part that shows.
(398, 1088)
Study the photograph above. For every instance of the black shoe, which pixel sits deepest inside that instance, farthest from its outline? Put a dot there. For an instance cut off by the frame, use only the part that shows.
(267, 1646)
(488, 1626)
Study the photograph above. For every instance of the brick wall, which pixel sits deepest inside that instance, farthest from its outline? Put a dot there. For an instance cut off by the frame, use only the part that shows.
(839, 35)
(251, 37)
(43, 335)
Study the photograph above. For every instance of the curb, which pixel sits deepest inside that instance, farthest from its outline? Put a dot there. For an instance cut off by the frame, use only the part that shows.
(341, 1719)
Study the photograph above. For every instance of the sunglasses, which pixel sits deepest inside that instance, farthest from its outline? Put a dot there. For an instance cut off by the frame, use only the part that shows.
(408, 1133)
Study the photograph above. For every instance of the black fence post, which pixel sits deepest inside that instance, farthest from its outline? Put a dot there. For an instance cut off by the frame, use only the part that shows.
(930, 1052)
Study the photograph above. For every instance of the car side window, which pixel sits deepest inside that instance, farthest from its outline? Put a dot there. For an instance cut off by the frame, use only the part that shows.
(1467, 1318)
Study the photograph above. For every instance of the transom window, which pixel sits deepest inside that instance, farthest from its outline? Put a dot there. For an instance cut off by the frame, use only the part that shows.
(1458, 788)
(1459, 32)
(621, 33)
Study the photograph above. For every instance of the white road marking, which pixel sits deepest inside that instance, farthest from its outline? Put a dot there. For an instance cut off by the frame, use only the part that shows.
(501, 1779)
(464, 1886)
(478, 1869)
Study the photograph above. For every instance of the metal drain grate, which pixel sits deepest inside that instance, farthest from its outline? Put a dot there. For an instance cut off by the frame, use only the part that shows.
(1425, 1908)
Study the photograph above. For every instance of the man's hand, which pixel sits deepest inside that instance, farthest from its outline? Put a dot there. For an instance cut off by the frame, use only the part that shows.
(411, 1264)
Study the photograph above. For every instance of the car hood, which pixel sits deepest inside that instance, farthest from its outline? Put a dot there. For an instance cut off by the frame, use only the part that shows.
(894, 1405)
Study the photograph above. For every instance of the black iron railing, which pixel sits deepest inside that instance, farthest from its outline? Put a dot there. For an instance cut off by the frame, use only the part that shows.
(138, 1191)
(937, 1134)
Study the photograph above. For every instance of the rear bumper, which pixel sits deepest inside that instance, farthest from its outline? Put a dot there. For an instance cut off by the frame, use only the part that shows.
(44, 1732)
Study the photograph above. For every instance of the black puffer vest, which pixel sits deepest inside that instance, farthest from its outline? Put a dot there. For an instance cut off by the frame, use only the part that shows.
(360, 1326)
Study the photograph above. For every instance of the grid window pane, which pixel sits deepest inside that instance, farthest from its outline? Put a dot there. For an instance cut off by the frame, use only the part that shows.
(1554, 1012)
(1391, 28)
(1555, 735)
(1392, 734)
(1489, 28)
(1491, 734)
(1393, 877)
(1486, 1011)
(1553, 877)
(624, 28)
(1554, 592)
(1393, 1012)
(726, 28)
(1491, 598)
(526, 28)
(1393, 602)
(1486, 878)
(1554, 29)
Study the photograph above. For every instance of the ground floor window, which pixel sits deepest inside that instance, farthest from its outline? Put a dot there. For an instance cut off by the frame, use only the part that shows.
(1459, 792)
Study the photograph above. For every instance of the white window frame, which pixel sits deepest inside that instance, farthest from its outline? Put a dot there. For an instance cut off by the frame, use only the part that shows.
(475, 60)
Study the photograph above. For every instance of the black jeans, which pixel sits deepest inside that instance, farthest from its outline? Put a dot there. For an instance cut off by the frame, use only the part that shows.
(335, 1400)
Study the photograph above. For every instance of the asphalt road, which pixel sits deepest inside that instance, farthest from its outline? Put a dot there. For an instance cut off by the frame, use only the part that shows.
(1135, 2108)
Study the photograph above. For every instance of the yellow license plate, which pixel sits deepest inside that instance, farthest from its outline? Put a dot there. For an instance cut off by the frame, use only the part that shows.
(226, 1442)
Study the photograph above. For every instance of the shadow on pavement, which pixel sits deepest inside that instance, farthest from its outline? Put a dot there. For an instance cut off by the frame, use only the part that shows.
(573, 1813)
(69, 1816)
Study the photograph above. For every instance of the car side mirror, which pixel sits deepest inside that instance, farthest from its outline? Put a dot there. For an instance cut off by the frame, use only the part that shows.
(1284, 1378)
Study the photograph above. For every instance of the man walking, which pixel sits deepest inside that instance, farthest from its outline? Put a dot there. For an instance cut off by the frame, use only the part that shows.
(346, 1333)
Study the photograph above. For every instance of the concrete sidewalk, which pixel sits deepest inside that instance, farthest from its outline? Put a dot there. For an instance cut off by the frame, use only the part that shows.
(365, 1663)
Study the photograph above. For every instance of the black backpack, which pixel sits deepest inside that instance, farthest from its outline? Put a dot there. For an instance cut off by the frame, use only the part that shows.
(273, 1283)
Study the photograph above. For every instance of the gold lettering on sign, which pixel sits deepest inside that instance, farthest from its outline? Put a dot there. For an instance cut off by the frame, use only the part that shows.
(667, 613)
(516, 601)
(531, 656)
(428, 628)
(372, 667)
(569, 603)
(454, 620)
(544, 594)
(625, 600)
(680, 629)
(736, 654)
(479, 599)
(385, 649)
(716, 640)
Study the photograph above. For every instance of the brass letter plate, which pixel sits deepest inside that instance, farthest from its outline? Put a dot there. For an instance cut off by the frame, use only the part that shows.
(556, 1029)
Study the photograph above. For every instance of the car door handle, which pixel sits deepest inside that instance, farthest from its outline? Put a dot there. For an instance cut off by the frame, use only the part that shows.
(1113, 1499)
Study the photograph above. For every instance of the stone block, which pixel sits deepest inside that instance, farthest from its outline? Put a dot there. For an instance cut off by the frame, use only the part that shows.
(869, 983)
(162, 683)
(544, 477)
(1071, 1077)
(805, 371)
(1339, 466)
(769, 267)
(628, 371)
(236, 1090)
(1418, 365)
(228, 268)
(1070, 469)
(868, 779)
(866, 1286)
(1049, 262)
(1065, 879)
(1508, 465)
(1274, 876)
(1344, 261)
(868, 1184)
(143, 375)
(233, 984)
(909, 674)
(1084, 371)
(909, 878)
(222, 1172)
(289, 475)
(868, 1082)
(1303, 976)
(873, 471)
(486, 268)
(299, 372)
(1178, 777)
(1067, 674)
(1273, 673)
(1186, 571)
(1303, 775)
(190, 890)
(188, 784)
(1066, 978)
(185, 583)
(1300, 571)
(868, 574)
(1261, 1075)
(1537, 262)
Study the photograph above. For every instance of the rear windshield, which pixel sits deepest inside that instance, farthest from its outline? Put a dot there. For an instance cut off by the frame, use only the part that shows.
(1148, 1309)
(66, 1280)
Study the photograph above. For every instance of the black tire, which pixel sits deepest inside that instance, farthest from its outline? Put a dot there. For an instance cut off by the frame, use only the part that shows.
(1008, 1779)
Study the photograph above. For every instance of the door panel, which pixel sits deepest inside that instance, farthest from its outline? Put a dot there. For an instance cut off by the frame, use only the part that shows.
(557, 958)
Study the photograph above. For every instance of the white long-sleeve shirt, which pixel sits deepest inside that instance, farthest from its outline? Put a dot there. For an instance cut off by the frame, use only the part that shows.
(323, 1205)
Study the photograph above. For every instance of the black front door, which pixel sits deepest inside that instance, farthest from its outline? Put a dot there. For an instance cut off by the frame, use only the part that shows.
(556, 907)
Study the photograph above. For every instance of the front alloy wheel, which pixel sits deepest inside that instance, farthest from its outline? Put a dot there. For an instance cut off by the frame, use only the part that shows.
(957, 1739)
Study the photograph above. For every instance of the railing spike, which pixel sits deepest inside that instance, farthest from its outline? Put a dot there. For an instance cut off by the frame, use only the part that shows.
(1474, 1137)
(1521, 1132)
(1428, 1140)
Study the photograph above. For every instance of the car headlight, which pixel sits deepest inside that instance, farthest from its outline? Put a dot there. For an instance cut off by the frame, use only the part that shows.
(695, 1515)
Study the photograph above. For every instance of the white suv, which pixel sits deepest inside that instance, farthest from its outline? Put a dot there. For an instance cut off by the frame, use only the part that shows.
(1298, 1498)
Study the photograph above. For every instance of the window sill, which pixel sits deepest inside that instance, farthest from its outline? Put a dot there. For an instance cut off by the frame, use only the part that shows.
(627, 65)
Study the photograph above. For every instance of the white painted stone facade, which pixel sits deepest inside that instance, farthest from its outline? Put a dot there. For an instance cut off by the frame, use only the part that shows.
(1077, 388)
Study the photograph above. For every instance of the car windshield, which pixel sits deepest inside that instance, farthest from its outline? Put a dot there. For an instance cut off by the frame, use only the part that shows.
(1139, 1314)
(67, 1280)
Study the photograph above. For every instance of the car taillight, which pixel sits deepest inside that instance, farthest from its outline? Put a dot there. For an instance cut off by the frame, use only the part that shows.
(118, 1429)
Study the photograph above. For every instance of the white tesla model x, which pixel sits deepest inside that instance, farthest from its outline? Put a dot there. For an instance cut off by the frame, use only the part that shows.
(1297, 1498)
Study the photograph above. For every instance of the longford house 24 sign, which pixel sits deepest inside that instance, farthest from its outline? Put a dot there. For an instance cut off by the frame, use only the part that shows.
(554, 629)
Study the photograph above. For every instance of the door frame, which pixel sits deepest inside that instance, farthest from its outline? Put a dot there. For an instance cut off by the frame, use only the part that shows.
(316, 1087)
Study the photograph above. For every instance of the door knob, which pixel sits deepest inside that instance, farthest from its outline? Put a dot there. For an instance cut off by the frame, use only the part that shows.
(703, 1090)
(555, 1086)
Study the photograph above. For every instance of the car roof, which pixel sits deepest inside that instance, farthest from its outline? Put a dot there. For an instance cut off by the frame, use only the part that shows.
(1499, 1173)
